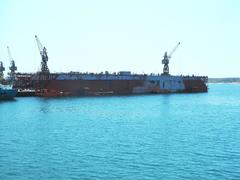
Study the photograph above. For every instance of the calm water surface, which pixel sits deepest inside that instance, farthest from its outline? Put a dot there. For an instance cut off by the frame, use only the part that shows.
(177, 136)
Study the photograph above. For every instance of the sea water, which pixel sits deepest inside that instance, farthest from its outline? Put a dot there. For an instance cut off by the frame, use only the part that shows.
(170, 136)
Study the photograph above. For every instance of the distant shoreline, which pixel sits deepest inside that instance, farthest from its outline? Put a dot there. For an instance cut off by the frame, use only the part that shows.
(224, 80)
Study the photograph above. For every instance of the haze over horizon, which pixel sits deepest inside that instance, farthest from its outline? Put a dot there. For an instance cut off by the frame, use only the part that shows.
(98, 36)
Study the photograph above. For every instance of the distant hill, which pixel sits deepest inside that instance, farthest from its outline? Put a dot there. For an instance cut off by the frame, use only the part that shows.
(224, 80)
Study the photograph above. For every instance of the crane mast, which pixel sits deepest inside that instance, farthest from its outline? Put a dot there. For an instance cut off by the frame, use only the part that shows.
(12, 67)
(166, 58)
(44, 56)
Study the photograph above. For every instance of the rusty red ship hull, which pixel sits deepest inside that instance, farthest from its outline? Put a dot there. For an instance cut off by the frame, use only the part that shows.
(83, 84)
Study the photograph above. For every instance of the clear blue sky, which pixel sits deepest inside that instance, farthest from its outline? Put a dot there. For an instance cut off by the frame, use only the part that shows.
(114, 35)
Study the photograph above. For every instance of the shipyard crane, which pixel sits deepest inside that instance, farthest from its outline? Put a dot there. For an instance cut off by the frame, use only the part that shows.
(12, 67)
(2, 69)
(44, 56)
(166, 58)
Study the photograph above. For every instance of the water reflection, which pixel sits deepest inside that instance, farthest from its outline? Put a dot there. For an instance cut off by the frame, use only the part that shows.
(44, 106)
(7, 101)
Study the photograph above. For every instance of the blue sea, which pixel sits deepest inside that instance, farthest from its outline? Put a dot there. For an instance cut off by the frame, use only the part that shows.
(171, 136)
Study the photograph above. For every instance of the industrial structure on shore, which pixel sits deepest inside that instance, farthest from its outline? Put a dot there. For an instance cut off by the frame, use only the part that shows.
(48, 84)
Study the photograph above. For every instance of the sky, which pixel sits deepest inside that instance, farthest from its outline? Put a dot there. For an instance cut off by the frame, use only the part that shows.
(117, 35)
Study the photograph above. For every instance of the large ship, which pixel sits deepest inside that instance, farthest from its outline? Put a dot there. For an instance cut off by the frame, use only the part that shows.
(121, 83)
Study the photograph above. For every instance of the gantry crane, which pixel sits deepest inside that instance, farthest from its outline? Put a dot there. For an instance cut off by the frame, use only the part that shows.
(2, 69)
(12, 67)
(166, 58)
(44, 56)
